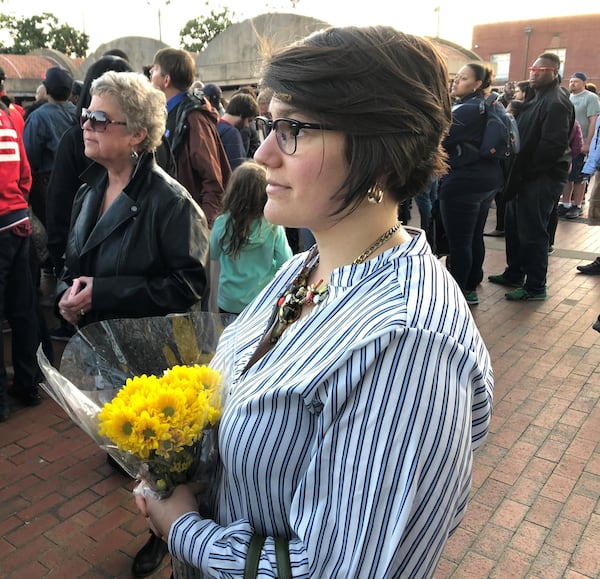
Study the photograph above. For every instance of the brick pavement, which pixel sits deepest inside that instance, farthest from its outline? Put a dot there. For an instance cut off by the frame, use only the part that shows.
(535, 508)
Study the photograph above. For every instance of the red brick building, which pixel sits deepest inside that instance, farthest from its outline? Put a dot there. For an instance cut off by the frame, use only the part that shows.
(513, 46)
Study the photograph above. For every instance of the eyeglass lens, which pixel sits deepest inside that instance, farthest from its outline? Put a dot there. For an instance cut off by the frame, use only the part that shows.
(97, 119)
(284, 133)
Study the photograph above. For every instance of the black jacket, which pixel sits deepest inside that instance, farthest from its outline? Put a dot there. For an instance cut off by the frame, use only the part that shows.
(470, 174)
(545, 123)
(147, 253)
(69, 164)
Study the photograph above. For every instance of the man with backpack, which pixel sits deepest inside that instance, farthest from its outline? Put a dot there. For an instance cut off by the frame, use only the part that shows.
(537, 178)
(202, 165)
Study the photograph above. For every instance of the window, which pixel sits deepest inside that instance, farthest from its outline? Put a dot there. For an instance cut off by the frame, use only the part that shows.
(501, 64)
(562, 54)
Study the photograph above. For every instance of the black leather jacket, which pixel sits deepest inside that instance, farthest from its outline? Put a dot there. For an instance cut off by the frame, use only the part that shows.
(70, 162)
(147, 253)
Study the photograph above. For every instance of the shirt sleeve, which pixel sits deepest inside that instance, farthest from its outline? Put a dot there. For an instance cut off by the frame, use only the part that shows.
(592, 163)
(215, 235)
(34, 138)
(24, 170)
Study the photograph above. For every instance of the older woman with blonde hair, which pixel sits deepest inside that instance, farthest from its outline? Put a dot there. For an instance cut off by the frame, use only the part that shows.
(138, 242)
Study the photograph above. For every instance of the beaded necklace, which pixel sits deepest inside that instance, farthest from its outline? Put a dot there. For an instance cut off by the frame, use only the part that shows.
(299, 293)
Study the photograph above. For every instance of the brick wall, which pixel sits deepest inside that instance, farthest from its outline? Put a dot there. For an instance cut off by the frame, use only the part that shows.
(526, 39)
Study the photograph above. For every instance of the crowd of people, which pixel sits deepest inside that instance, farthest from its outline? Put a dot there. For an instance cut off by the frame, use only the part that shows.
(545, 182)
(281, 209)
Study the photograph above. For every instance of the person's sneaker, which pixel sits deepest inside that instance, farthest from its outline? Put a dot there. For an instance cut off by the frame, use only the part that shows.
(591, 268)
(522, 295)
(596, 325)
(472, 298)
(573, 212)
(561, 210)
(551, 250)
(500, 279)
(494, 233)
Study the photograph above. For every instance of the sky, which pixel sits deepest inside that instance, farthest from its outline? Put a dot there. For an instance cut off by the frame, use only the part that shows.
(109, 19)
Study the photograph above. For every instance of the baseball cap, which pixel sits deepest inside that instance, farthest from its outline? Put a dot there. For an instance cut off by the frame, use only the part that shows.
(58, 80)
(213, 93)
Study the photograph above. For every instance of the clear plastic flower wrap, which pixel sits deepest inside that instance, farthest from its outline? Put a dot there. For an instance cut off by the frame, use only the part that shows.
(143, 390)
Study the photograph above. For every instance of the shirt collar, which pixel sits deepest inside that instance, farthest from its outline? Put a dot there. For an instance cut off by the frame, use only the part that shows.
(175, 100)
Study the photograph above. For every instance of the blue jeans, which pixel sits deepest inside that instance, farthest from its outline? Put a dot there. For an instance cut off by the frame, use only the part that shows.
(18, 306)
(526, 231)
(464, 217)
(424, 201)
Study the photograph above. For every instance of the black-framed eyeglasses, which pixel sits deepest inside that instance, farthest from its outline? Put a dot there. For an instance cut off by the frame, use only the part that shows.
(98, 120)
(286, 131)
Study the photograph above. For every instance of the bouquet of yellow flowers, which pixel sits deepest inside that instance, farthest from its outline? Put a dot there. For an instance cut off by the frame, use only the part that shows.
(142, 389)
(158, 422)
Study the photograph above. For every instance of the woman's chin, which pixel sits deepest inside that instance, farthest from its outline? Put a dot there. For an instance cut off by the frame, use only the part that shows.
(274, 215)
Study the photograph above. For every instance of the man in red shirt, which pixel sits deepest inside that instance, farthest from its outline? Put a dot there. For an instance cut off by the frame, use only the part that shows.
(17, 290)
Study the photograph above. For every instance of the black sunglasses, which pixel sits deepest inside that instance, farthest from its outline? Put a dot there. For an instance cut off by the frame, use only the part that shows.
(286, 131)
(98, 120)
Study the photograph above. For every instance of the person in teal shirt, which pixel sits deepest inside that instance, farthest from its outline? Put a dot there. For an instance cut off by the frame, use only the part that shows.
(245, 249)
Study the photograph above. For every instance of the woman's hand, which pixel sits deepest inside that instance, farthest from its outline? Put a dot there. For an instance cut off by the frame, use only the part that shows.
(77, 301)
(161, 514)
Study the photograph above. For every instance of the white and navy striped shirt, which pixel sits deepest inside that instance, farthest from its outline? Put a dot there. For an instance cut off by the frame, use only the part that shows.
(353, 436)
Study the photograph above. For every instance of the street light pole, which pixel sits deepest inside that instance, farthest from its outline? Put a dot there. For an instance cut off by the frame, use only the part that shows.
(528, 31)
(159, 26)
(159, 21)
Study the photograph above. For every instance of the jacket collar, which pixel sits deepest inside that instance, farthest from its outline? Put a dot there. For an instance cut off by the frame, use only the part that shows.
(125, 207)
(96, 175)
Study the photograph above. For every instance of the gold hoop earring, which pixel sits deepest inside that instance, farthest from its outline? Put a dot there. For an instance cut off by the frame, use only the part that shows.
(375, 196)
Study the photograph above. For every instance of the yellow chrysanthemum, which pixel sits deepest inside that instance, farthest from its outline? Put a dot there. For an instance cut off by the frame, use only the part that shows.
(160, 416)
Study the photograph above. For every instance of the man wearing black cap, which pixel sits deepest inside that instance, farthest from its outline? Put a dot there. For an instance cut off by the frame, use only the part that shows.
(215, 97)
(43, 129)
(587, 109)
